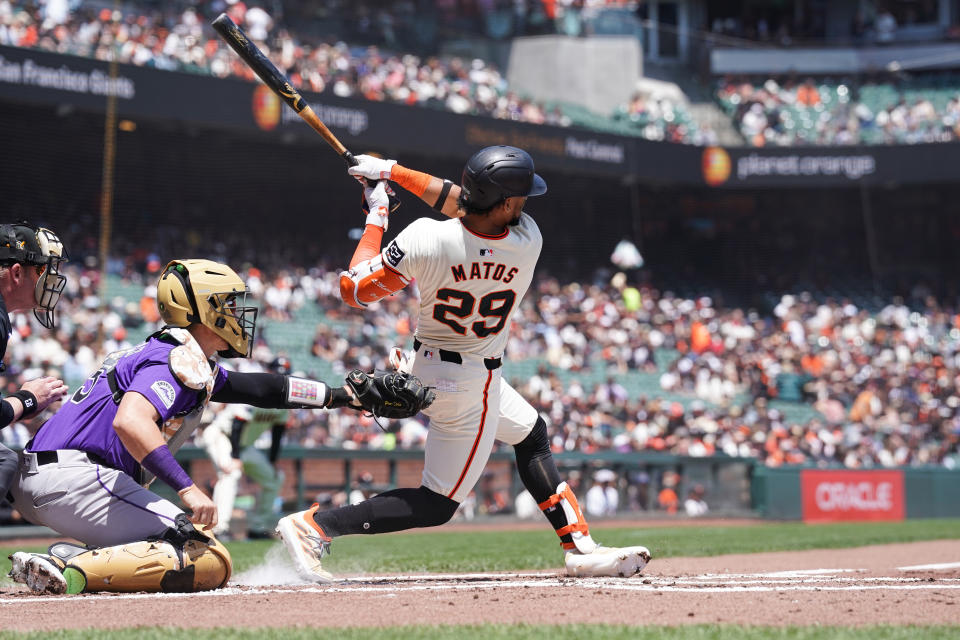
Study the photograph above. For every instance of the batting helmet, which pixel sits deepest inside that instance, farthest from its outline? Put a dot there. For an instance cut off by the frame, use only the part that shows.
(35, 246)
(496, 173)
(212, 294)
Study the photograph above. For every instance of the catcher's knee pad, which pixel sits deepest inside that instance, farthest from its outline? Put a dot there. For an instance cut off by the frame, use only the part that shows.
(153, 566)
(576, 524)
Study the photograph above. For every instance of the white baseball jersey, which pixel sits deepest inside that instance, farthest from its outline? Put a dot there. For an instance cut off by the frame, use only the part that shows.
(470, 284)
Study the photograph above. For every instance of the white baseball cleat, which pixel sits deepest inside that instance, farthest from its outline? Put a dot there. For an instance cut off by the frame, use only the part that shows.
(38, 572)
(306, 543)
(620, 562)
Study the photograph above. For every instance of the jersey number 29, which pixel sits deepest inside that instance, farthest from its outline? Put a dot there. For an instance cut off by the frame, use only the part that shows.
(497, 304)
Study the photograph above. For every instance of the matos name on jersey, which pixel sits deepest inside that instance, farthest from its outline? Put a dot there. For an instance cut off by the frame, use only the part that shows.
(482, 271)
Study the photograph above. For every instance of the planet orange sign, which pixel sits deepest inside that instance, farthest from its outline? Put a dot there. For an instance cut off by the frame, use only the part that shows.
(266, 108)
(716, 166)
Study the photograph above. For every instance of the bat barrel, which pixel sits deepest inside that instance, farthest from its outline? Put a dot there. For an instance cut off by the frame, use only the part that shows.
(261, 65)
(276, 81)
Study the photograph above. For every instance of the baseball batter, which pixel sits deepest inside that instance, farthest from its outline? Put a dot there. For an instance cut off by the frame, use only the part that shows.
(472, 272)
(81, 473)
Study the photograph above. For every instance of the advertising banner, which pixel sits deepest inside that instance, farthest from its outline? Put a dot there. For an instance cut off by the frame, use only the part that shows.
(888, 165)
(42, 78)
(834, 495)
(39, 77)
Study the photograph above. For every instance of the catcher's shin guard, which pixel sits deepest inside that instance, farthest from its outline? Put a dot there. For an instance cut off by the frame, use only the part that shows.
(153, 566)
(576, 524)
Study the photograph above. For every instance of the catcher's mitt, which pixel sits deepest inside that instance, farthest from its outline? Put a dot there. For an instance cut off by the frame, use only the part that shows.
(390, 394)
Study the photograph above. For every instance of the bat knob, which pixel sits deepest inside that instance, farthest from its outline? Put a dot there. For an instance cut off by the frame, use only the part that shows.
(354, 162)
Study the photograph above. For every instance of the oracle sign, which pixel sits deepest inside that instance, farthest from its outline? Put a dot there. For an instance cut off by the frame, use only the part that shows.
(851, 495)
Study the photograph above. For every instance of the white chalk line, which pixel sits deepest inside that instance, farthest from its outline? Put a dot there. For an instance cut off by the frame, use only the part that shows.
(743, 579)
(399, 584)
(781, 574)
(927, 567)
(454, 576)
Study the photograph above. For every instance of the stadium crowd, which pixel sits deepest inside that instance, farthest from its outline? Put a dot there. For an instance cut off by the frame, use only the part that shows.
(177, 36)
(612, 366)
(793, 112)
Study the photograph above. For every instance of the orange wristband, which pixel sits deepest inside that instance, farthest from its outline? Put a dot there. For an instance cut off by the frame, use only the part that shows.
(416, 182)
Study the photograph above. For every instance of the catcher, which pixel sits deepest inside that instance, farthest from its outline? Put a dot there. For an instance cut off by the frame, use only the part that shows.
(81, 474)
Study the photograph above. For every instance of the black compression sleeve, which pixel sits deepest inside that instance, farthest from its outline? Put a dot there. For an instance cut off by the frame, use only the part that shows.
(265, 390)
(535, 463)
(6, 413)
(396, 510)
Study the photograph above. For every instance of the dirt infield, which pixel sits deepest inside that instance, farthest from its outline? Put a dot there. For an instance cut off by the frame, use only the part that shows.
(868, 585)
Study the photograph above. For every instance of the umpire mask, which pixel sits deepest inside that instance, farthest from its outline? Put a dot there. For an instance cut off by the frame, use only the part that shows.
(40, 249)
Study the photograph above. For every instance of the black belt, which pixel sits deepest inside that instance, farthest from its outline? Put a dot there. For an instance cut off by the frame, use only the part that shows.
(456, 358)
(49, 457)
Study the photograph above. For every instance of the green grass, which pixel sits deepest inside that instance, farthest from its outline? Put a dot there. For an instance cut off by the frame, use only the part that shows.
(449, 550)
(452, 550)
(515, 632)
(455, 551)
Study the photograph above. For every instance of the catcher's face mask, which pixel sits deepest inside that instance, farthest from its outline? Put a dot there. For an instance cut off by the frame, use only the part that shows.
(36, 248)
(51, 282)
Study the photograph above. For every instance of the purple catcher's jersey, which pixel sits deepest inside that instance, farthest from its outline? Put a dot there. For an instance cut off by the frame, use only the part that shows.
(85, 421)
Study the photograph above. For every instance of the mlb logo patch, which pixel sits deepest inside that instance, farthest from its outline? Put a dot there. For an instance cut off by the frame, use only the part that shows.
(486, 252)
(428, 354)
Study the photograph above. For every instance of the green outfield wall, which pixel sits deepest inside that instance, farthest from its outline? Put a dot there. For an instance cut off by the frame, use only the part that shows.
(795, 493)
(733, 486)
(641, 476)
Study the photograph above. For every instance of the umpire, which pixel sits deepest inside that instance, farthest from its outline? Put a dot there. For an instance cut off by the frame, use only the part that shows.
(30, 278)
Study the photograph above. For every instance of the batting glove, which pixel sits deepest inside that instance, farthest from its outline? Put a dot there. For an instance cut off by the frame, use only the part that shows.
(377, 204)
(401, 360)
(371, 167)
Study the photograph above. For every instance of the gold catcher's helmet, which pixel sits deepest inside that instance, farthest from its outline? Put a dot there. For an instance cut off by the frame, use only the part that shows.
(212, 294)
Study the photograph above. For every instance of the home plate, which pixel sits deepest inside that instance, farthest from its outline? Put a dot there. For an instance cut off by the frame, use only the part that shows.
(931, 567)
